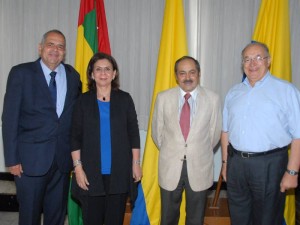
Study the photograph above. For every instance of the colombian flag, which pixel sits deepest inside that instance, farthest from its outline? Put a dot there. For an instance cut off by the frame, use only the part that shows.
(273, 29)
(173, 45)
(92, 36)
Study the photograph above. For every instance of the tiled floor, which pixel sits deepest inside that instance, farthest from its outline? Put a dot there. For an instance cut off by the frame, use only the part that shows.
(11, 218)
(8, 218)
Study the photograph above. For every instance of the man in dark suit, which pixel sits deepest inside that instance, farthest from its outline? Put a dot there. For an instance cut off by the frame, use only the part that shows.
(36, 124)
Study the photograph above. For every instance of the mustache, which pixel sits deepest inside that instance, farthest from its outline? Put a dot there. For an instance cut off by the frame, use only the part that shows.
(188, 81)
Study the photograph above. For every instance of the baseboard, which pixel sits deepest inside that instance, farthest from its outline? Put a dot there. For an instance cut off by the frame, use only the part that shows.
(214, 186)
(9, 203)
(6, 176)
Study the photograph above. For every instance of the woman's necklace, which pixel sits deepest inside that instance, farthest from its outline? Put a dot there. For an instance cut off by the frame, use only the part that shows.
(103, 97)
(103, 94)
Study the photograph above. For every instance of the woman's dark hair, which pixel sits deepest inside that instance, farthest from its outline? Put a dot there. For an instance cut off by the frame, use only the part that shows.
(115, 83)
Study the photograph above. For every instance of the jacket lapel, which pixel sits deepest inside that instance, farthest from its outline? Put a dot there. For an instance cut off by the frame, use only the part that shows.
(174, 110)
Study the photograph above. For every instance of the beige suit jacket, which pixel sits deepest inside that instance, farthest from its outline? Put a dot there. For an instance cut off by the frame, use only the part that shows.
(203, 136)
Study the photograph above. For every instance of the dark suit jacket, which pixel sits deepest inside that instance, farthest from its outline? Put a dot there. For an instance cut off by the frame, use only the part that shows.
(124, 137)
(33, 135)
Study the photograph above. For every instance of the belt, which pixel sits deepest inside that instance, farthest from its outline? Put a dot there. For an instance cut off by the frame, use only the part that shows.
(232, 150)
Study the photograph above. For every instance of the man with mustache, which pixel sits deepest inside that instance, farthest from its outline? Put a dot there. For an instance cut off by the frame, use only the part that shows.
(186, 126)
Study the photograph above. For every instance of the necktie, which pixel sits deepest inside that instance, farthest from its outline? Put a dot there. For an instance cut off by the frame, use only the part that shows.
(185, 117)
(52, 86)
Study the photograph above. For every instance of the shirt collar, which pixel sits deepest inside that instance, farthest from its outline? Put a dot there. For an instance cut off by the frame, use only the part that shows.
(193, 93)
(258, 83)
(47, 71)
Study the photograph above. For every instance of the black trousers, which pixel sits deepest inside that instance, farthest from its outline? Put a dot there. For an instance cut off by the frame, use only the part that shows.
(253, 188)
(108, 209)
(171, 201)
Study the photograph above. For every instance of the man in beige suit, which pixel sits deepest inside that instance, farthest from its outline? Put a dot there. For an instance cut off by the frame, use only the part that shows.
(186, 156)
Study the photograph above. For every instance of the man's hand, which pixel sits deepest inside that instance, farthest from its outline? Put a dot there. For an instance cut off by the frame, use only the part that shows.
(224, 169)
(16, 170)
(288, 182)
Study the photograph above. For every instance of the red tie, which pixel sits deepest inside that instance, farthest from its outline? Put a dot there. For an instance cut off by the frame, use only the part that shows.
(185, 117)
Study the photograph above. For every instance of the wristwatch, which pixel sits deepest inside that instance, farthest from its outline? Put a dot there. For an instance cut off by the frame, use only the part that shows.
(292, 172)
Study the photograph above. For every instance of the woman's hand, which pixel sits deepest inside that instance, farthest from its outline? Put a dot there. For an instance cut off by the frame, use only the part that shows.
(81, 178)
(137, 172)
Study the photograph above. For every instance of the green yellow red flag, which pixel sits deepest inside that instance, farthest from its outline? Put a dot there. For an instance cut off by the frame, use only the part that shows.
(92, 35)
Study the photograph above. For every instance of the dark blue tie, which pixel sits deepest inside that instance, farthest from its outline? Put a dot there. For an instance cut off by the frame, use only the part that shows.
(52, 86)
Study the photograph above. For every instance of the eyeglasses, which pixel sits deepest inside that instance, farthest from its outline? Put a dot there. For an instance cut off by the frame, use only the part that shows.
(257, 59)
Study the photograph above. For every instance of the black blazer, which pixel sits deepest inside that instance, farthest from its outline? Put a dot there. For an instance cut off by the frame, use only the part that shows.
(33, 135)
(124, 136)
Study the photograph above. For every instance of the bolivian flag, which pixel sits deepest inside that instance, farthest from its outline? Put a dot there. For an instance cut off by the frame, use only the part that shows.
(92, 36)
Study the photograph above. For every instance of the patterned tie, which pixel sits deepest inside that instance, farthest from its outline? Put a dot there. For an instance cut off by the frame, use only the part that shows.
(52, 86)
(185, 116)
